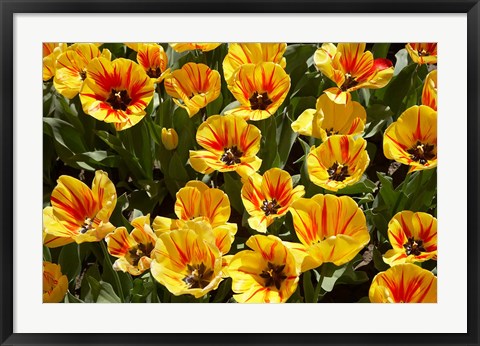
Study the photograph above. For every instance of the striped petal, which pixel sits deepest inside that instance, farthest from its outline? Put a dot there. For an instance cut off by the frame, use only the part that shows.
(262, 88)
(404, 283)
(412, 139)
(338, 162)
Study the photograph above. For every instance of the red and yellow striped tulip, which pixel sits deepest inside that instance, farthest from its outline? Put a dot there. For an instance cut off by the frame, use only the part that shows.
(422, 53)
(116, 92)
(266, 274)
(55, 285)
(330, 118)
(203, 46)
(132, 250)
(197, 203)
(351, 68)
(413, 237)
(231, 145)
(79, 213)
(154, 61)
(51, 51)
(260, 89)
(330, 229)
(187, 263)
(193, 86)
(268, 197)
(412, 139)
(404, 283)
(338, 162)
(72, 66)
(429, 93)
(252, 53)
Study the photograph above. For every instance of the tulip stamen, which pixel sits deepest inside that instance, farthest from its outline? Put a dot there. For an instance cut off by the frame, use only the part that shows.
(83, 74)
(199, 276)
(119, 99)
(270, 207)
(154, 73)
(139, 251)
(87, 225)
(423, 52)
(331, 132)
(259, 101)
(349, 82)
(338, 172)
(422, 152)
(273, 275)
(414, 247)
(231, 155)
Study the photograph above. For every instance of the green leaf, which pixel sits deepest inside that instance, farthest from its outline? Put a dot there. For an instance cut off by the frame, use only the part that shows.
(47, 256)
(387, 192)
(69, 298)
(380, 50)
(223, 290)
(333, 274)
(398, 88)
(232, 188)
(285, 140)
(66, 139)
(214, 108)
(129, 159)
(308, 289)
(363, 186)
(69, 261)
(100, 292)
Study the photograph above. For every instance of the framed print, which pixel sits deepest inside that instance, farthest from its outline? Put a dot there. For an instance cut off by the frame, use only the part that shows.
(307, 171)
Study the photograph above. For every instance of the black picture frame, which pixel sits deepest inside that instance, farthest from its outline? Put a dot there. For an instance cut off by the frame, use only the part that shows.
(10, 7)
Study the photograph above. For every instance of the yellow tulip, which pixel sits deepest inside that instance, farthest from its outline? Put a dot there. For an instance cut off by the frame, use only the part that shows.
(169, 138)
(203, 46)
(404, 283)
(422, 53)
(72, 66)
(55, 284)
(252, 53)
(116, 92)
(413, 237)
(429, 93)
(132, 250)
(338, 162)
(268, 197)
(260, 89)
(330, 229)
(79, 213)
(351, 68)
(412, 139)
(268, 274)
(231, 145)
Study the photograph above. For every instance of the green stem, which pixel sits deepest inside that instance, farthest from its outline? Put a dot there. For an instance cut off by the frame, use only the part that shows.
(318, 288)
(115, 274)
(154, 292)
(401, 194)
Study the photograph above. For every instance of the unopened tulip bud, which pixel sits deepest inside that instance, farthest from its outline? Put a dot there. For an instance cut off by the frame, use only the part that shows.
(169, 138)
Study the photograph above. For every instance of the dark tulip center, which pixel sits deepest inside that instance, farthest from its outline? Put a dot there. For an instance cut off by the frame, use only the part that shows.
(273, 275)
(270, 207)
(139, 251)
(199, 276)
(349, 82)
(338, 172)
(259, 101)
(154, 73)
(421, 152)
(119, 99)
(231, 155)
(414, 247)
(87, 225)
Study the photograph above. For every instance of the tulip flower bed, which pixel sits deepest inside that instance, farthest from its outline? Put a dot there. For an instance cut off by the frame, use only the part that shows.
(239, 173)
